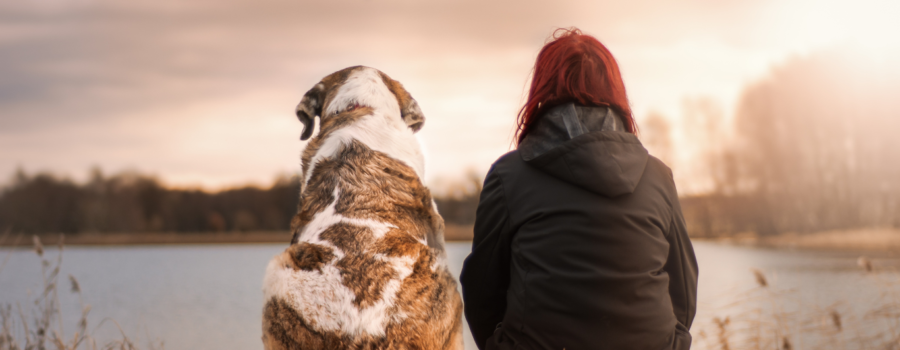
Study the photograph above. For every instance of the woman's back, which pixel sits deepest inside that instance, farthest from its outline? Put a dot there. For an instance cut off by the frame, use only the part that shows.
(587, 222)
(579, 238)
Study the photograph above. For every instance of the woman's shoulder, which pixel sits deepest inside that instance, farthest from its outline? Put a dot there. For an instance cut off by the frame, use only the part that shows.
(658, 175)
(657, 164)
(507, 158)
(509, 163)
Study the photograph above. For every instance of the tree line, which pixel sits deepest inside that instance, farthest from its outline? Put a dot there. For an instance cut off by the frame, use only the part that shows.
(133, 202)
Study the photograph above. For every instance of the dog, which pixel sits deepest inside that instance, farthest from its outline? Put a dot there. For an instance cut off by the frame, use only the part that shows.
(366, 268)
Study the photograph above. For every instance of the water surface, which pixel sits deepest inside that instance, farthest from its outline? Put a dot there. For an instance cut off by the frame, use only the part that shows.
(209, 296)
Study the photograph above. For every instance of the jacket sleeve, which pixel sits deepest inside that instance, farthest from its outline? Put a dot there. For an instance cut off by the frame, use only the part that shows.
(682, 269)
(485, 273)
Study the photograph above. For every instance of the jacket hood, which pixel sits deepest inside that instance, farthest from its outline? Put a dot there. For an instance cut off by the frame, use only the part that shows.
(587, 147)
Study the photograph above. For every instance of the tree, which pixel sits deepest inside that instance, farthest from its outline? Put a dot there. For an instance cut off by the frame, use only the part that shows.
(656, 135)
(817, 144)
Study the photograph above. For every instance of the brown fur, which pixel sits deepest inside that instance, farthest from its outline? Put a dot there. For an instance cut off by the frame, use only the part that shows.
(284, 329)
(408, 106)
(308, 256)
(371, 186)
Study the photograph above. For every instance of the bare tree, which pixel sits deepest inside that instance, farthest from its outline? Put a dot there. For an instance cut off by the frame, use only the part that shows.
(656, 135)
(817, 143)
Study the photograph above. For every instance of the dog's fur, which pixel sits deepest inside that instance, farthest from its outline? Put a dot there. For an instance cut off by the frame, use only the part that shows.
(366, 268)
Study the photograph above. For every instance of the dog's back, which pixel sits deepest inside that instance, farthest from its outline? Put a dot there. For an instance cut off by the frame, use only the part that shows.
(366, 268)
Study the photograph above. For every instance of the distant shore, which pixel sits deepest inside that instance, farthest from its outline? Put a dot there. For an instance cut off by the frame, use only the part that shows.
(883, 240)
(451, 233)
(873, 239)
(154, 238)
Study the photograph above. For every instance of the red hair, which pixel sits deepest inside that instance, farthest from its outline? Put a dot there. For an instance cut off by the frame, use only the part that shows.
(574, 67)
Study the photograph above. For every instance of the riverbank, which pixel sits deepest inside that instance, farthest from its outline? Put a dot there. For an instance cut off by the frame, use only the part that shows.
(154, 238)
(876, 239)
(882, 240)
(452, 233)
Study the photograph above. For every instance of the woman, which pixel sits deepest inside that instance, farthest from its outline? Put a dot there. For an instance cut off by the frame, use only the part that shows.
(579, 238)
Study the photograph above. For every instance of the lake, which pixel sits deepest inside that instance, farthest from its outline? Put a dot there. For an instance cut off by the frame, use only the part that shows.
(209, 296)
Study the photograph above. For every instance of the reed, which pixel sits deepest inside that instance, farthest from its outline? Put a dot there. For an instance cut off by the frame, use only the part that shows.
(40, 326)
(766, 317)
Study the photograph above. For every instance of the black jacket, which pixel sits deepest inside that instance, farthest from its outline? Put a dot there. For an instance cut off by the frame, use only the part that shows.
(580, 243)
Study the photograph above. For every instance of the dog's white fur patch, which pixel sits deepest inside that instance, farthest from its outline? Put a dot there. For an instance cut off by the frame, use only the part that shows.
(321, 297)
(327, 218)
(384, 130)
(365, 87)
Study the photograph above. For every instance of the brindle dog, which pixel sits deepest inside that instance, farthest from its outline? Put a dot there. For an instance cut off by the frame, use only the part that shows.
(366, 267)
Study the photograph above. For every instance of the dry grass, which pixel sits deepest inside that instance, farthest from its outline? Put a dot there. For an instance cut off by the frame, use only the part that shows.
(39, 325)
(765, 317)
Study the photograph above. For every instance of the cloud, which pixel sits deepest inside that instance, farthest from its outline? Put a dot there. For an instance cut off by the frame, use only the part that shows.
(79, 67)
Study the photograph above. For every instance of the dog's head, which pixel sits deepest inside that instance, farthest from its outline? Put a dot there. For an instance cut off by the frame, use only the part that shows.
(355, 87)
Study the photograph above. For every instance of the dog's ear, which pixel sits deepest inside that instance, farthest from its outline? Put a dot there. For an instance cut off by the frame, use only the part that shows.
(310, 107)
(409, 108)
(412, 115)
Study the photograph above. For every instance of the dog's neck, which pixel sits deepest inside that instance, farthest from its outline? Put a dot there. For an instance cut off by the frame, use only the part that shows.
(371, 130)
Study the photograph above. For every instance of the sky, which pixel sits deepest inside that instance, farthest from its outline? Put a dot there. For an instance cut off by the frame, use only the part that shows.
(202, 93)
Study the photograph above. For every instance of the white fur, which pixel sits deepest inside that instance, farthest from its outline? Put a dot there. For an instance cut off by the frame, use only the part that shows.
(364, 86)
(321, 297)
(382, 131)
